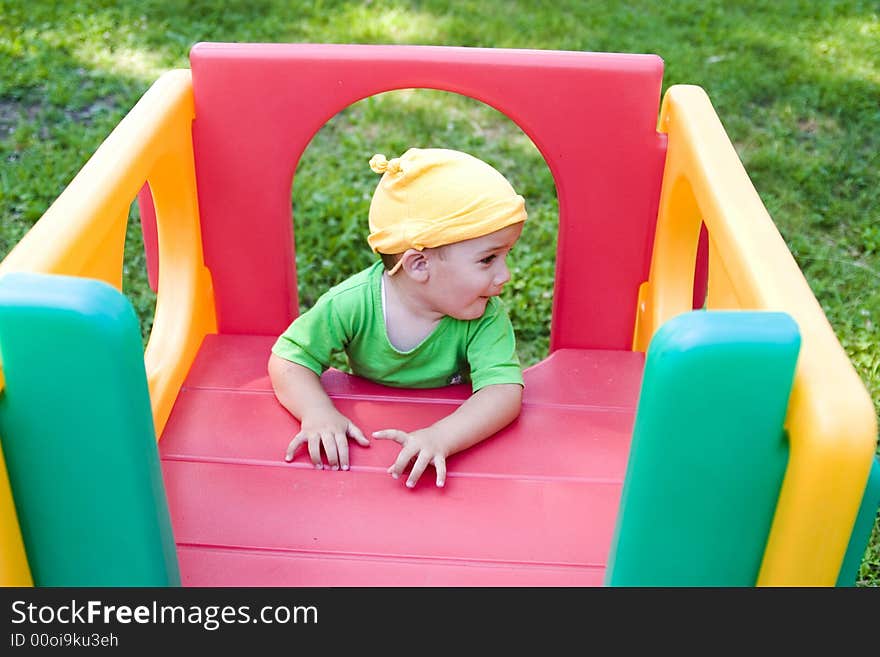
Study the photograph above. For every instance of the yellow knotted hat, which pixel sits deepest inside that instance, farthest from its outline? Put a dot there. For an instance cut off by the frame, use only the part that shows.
(430, 197)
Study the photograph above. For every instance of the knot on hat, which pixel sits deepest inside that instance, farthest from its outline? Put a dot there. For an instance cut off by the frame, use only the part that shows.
(379, 164)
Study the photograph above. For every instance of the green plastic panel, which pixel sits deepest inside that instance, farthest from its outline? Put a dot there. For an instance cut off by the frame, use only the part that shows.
(861, 534)
(708, 452)
(77, 433)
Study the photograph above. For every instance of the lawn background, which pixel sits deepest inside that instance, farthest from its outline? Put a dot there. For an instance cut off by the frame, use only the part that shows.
(795, 83)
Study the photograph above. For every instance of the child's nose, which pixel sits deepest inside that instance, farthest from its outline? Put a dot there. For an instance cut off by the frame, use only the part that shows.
(502, 275)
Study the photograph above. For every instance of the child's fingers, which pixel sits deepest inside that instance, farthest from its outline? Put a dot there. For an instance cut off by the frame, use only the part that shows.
(342, 449)
(403, 458)
(357, 434)
(315, 450)
(417, 469)
(294, 445)
(328, 440)
(392, 434)
(440, 466)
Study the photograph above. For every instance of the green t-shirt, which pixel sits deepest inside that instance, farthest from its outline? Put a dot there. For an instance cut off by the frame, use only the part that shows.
(349, 318)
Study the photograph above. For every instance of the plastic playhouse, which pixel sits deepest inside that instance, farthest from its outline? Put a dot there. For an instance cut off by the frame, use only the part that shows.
(696, 422)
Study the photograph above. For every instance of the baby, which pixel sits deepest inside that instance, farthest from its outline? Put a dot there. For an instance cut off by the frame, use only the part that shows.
(425, 315)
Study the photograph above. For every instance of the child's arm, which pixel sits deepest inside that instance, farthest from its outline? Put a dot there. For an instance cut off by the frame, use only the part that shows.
(300, 391)
(486, 412)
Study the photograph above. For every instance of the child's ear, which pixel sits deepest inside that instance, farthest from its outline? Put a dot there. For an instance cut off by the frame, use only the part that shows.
(415, 264)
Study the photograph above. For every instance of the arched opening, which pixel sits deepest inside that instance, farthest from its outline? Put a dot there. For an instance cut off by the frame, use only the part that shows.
(333, 186)
(137, 283)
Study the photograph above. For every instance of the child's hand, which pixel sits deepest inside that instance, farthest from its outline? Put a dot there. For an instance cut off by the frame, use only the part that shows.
(330, 429)
(423, 446)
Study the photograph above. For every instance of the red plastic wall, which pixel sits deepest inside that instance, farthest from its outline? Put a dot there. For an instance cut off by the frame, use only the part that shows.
(593, 117)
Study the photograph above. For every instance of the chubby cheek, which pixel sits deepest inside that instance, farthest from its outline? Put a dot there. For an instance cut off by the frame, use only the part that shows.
(466, 299)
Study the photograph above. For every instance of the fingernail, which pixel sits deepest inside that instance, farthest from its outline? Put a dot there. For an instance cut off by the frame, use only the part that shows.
(409, 484)
(345, 467)
(335, 467)
(395, 475)
(318, 466)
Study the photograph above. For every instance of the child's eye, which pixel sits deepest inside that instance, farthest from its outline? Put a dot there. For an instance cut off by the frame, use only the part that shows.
(488, 260)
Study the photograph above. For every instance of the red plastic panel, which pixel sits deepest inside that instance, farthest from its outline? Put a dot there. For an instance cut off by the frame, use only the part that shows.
(593, 116)
(498, 519)
(534, 505)
(701, 269)
(230, 567)
(151, 237)
(589, 378)
(232, 362)
(254, 428)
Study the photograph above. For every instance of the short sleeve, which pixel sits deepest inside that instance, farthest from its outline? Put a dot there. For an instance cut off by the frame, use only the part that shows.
(313, 337)
(491, 350)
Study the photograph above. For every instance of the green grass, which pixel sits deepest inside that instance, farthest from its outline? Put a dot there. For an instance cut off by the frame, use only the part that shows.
(795, 83)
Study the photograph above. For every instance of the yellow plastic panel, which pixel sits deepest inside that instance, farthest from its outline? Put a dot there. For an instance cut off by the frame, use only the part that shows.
(14, 568)
(82, 233)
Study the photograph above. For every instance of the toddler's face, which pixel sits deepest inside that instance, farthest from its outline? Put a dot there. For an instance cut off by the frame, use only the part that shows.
(467, 273)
